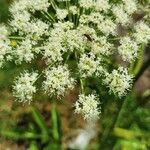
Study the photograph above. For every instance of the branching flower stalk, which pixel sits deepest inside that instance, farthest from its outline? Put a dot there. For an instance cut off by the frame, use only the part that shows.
(87, 33)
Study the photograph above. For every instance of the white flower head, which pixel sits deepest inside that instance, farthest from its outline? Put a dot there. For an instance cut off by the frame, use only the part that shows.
(107, 27)
(24, 51)
(101, 5)
(24, 87)
(74, 40)
(73, 10)
(3, 32)
(5, 51)
(86, 3)
(101, 46)
(37, 28)
(119, 81)
(41, 5)
(18, 6)
(128, 49)
(57, 81)
(63, 26)
(142, 33)
(53, 50)
(130, 6)
(87, 30)
(88, 65)
(21, 5)
(20, 21)
(61, 13)
(88, 106)
(121, 16)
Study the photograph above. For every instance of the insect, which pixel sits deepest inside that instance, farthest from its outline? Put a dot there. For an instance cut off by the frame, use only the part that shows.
(88, 37)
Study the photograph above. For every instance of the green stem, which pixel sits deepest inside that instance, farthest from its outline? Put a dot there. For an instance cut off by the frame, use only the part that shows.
(111, 125)
(50, 16)
(81, 80)
(142, 70)
(55, 124)
(120, 113)
(16, 135)
(16, 38)
(69, 15)
(136, 69)
(54, 5)
(47, 16)
(82, 86)
(122, 107)
(67, 58)
(114, 39)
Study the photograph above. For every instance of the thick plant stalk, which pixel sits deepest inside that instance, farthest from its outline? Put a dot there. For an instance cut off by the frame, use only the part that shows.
(110, 127)
(123, 105)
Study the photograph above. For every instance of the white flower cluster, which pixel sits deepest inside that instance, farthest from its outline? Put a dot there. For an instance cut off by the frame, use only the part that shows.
(21, 17)
(5, 48)
(130, 6)
(83, 35)
(128, 49)
(142, 33)
(24, 87)
(53, 50)
(58, 80)
(23, 52)
(61, 13)
(118, 81)
(99, 5)
(86, 3)
(124, 11)
(120, 14)
(107, 26)
(88, 106)
(102, 46)
(73, 10)
(3, 32)
(88, 65)
(21, 5)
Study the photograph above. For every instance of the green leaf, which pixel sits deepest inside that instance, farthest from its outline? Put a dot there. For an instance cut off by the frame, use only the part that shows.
(55, 123)
(41, 123)
(129, 134)
(17, 135)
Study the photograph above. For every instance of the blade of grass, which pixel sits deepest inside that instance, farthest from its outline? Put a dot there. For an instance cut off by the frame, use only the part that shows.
(55, 123)
(17, 135)
(41, 123)
(129, 134)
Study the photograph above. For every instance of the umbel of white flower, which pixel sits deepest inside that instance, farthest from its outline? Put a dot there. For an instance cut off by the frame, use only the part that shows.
(24, 87)
(57, 81)
(88, 65)
(5, 49)
(118, 81)
(74, 41)
(88, 106)
(128, 49)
